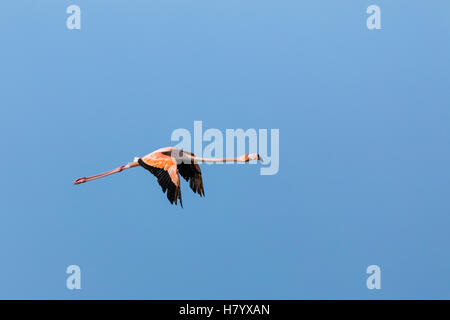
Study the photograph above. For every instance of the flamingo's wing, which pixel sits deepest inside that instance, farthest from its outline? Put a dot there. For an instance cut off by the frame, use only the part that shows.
(164, 168)
(191, 173)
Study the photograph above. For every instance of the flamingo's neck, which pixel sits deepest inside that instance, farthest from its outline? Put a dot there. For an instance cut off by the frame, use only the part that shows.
(200, 159)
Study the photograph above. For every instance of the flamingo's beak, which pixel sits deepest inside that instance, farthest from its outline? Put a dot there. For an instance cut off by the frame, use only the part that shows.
(260, 159)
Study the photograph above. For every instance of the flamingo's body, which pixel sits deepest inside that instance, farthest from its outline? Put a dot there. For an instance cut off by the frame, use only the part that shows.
(166, 164)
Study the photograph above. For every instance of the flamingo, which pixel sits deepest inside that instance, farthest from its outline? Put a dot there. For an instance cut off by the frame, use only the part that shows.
(166, 164)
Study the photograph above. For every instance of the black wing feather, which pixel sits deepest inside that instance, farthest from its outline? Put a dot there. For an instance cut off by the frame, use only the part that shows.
(191, 173)
(166, 183)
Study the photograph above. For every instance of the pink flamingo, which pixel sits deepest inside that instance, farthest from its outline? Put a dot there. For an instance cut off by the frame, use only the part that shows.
(167, 163)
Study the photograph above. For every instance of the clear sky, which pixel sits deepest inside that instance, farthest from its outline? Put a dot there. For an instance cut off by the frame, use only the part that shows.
(364, 120)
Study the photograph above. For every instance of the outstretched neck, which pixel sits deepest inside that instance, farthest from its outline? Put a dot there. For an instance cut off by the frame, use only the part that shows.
(200, 159)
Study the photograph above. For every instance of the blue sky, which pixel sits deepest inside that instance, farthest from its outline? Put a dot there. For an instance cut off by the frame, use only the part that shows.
(364, 120)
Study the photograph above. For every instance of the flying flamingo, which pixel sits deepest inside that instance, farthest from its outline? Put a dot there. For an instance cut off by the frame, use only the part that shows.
(166, 163)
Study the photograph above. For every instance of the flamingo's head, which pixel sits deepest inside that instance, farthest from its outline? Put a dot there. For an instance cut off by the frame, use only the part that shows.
(252, 156)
